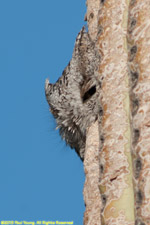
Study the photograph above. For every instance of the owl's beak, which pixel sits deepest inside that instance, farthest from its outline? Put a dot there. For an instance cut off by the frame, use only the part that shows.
(47, 87)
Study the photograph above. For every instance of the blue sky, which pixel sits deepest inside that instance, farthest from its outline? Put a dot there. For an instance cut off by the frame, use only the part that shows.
(40, 178)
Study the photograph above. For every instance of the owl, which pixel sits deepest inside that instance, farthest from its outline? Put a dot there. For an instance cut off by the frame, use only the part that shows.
(74, 98)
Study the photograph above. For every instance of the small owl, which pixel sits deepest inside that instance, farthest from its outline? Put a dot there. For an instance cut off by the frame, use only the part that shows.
(74, 98)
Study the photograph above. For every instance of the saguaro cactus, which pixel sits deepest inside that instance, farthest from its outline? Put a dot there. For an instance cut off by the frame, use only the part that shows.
(139, 70)
(117, 159)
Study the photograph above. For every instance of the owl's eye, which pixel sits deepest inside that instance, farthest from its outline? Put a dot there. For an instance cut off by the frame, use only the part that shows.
(88, 94)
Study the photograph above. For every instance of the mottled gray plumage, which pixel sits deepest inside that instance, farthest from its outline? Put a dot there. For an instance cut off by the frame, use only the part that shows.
(73, 99)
